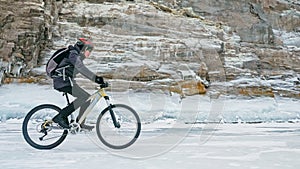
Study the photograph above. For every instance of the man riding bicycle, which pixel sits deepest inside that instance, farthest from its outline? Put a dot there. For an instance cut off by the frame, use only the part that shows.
(66, 71)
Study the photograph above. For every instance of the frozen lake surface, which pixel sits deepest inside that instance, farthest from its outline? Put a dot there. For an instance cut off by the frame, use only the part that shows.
(174, 133)
(228, 146)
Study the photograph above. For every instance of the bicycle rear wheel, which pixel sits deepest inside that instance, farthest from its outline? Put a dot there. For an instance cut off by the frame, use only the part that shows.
(118, 137)
(38, 129)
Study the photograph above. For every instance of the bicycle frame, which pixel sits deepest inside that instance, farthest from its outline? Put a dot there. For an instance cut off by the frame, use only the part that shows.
(94, 100)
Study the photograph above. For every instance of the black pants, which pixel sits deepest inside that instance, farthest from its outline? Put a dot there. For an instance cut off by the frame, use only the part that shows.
(80, 101)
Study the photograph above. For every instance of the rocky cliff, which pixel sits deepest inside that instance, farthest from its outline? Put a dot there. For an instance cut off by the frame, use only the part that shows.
(235, 47)
(25, 31)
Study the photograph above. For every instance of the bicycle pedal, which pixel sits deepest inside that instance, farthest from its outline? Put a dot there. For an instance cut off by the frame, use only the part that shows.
(85, 130)
(73, 132)
(74, 128)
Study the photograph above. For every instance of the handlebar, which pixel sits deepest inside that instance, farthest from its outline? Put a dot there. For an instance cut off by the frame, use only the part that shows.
(104, 85)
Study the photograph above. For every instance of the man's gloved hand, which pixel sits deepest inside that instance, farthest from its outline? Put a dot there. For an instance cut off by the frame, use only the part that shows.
(104, 85)
(99, 80)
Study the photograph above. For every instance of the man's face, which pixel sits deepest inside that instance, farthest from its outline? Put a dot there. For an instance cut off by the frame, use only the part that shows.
(87, 51)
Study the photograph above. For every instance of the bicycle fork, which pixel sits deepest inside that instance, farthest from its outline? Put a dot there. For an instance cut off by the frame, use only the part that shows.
(112, 114)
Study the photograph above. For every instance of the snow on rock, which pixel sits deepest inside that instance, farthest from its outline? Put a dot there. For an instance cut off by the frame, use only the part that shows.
(146, 41)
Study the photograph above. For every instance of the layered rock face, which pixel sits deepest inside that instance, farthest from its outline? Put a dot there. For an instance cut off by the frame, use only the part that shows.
(235, 47)
(267, 45)
(26, 30)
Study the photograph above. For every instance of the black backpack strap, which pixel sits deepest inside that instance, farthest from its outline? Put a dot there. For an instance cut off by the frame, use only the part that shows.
(73, 49)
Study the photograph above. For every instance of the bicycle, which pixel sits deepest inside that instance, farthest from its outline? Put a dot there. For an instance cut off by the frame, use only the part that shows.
(118, 126)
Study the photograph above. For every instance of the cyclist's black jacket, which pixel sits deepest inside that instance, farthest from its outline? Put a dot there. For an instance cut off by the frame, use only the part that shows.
(73, 64)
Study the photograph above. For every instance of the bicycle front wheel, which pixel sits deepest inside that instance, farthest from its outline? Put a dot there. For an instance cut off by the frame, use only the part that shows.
(125, 134)
(38, 129)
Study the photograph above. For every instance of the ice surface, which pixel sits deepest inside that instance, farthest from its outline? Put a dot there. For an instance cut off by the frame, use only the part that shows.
(265, 145)
(16, 100)
(170, 138)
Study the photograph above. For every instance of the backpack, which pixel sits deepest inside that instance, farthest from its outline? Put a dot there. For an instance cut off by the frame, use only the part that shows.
(55, 60)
